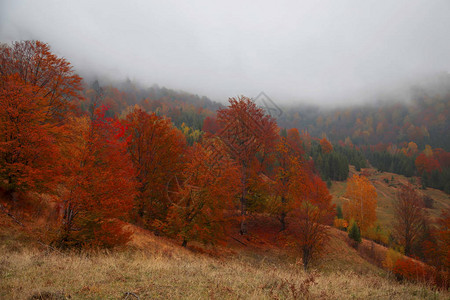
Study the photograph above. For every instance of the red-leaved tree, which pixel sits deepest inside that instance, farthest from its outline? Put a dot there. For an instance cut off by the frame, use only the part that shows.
(27, 150)
(326, 145)
(409, 217)
(437, 249)
(53, 77)
(156, 148)
(312, 213)
(246, 132)
(203, 195)
(98, 182)
(37, 95)
(289, 165)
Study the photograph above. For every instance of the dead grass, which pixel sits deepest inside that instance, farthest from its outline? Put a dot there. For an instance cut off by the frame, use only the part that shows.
(151, 267)
(181, 274)
(157, 268)
(339, 255)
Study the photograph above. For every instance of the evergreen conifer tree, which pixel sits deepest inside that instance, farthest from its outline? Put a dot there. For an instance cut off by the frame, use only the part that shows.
(354, 232)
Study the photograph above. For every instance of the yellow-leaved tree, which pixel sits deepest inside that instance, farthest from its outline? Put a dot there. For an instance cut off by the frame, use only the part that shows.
(361, 202)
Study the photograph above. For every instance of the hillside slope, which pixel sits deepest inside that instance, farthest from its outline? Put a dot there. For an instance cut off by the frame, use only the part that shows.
(387, 185)
(259, 265)
(256, 267)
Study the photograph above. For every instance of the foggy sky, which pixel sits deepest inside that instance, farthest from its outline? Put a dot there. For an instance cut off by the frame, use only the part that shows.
(321, 51)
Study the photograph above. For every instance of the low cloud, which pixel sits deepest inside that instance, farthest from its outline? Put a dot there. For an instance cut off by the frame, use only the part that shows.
(313, 51)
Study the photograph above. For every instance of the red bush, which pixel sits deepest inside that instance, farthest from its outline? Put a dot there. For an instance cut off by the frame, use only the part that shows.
(412, 270)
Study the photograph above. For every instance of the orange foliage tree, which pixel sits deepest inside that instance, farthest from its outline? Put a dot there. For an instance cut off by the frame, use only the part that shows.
(37, 91)
(410, 150)
(313, 211)
(247, 132)
(326, 145)
(156, 148)
(409, 217)
(295, 141)
(288, 164)
(27, 151)
(361, 202)
(97, 185)
(53, 77)
(210, 125)
(203, 195)
(426, 163)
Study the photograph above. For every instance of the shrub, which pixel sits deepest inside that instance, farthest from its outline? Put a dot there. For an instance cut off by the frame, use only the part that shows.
(96, 233)
(406, 268)
(377, 234)
(354, 233)
(391, 259)
(340, 224)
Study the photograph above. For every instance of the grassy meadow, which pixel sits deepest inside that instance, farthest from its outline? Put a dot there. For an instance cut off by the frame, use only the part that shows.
(157, 268)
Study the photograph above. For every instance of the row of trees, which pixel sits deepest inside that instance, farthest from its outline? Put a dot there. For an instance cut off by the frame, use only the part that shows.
(332, 165)
(333, 161)
(397, 163)
(433, 165)
(192, 114)
(99, 169)
(423, 119)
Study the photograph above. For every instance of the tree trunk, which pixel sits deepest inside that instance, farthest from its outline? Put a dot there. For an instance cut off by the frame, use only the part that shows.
(243, 229)
(305, 259)
(67, 227)
(407, 242)
(283, 214)
(283, 220)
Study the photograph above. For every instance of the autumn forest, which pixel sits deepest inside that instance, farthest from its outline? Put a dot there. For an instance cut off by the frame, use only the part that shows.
(85, 164)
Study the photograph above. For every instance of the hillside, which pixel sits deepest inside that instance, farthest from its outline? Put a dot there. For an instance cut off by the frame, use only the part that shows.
(387, 185)
(422, 118)
(254, 267)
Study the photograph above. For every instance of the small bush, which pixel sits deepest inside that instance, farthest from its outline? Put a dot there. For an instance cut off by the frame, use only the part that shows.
(340, 224)
(96, 233)
(406, 268)
(377, 234)
(391, 259)
(354, 233)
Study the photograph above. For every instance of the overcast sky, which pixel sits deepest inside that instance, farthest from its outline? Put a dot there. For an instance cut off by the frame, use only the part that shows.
(319, 51)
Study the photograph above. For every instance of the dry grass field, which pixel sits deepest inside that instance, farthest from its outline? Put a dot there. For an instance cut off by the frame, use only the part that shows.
(180, 275)
(157, 268)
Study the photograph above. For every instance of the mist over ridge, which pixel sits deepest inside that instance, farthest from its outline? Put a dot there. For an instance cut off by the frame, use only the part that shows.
(321, 53)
